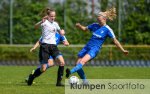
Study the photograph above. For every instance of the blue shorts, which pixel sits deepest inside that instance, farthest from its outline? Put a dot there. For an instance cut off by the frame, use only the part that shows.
(92, 51)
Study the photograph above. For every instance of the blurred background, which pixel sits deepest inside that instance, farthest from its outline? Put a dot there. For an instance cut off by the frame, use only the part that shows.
(131, 27)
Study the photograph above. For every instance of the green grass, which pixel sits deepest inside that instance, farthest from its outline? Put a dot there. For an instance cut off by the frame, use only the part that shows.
(12, 78)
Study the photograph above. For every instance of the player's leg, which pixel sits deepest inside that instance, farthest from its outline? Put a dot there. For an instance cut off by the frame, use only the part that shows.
(44, 67)
(38, 71)
(50, 62)
(60, 72)
(79, 66)
(90, 54)
(56, 54)
(82, 74)
(48, 65)
(80, 71)
(81, 54)
(44, 56)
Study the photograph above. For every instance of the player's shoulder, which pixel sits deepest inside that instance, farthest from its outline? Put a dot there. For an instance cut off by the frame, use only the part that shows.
(108, 28)
(45, 22)
(96, 24)
(93, 25)
(56, 23)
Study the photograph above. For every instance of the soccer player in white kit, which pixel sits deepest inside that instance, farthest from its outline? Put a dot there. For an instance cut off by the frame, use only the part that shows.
(48, 45)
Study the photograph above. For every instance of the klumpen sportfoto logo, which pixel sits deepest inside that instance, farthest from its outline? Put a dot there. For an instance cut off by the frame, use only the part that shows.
(109, 86)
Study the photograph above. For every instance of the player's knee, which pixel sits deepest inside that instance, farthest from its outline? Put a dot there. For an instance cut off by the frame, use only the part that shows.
(82, 62)
(50, 63)
(62, 63)
(76, 63)
(43, 69)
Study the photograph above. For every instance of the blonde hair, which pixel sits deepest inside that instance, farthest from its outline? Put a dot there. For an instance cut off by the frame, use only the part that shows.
(111, 13)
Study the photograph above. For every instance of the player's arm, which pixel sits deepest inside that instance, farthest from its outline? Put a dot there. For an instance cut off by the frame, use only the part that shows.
(66, 43)
(61, 32)
(84, 28)
(117, 43)
(37, 25)
(35, 46)
(64, 40)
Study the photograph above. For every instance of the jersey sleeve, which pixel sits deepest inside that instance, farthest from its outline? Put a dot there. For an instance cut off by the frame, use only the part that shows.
(90, 27)
(111, 34)
(93, 27)
(57, 26)
(63, 38)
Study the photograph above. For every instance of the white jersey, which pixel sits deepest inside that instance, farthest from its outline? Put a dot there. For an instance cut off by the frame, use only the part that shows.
(49, 30)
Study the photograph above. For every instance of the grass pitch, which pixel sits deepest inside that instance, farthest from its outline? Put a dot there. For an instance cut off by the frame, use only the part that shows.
(12, 78)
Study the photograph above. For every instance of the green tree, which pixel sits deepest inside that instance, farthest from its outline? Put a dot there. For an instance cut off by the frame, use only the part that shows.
(137, 22)
(76, 12)
(26, 14)
(4, 22)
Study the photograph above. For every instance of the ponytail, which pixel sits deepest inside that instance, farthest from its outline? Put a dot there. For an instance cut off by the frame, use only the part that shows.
(46, 11)
(111, 13)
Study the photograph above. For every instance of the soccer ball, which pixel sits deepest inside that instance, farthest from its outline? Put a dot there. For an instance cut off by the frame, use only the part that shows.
(73, 80)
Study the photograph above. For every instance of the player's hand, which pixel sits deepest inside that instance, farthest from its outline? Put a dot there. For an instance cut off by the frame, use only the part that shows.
(62, 32)
(126, 52)
(78, 24)
(66, 43)
(32, 49)
(44, 18)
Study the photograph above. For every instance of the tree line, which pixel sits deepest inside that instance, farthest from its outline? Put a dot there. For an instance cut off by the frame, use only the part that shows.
(135, 20)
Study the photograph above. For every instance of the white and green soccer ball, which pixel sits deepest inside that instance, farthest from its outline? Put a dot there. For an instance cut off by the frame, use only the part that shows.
(73, 80)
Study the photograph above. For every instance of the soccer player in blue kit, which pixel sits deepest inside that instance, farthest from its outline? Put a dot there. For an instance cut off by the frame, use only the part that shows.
(59, 38)
(100, 31)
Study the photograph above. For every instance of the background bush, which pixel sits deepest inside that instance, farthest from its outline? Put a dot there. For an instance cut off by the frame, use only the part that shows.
(106, 53)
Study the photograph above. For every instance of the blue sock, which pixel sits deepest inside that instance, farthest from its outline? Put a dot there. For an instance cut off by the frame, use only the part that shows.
(76, 68)
(81, 74)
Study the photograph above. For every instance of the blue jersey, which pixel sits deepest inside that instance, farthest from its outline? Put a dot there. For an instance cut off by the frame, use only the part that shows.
(59, 38)
(99, 34)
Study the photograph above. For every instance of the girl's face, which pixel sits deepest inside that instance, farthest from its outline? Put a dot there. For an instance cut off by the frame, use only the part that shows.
(52, 16)
(101, 18)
